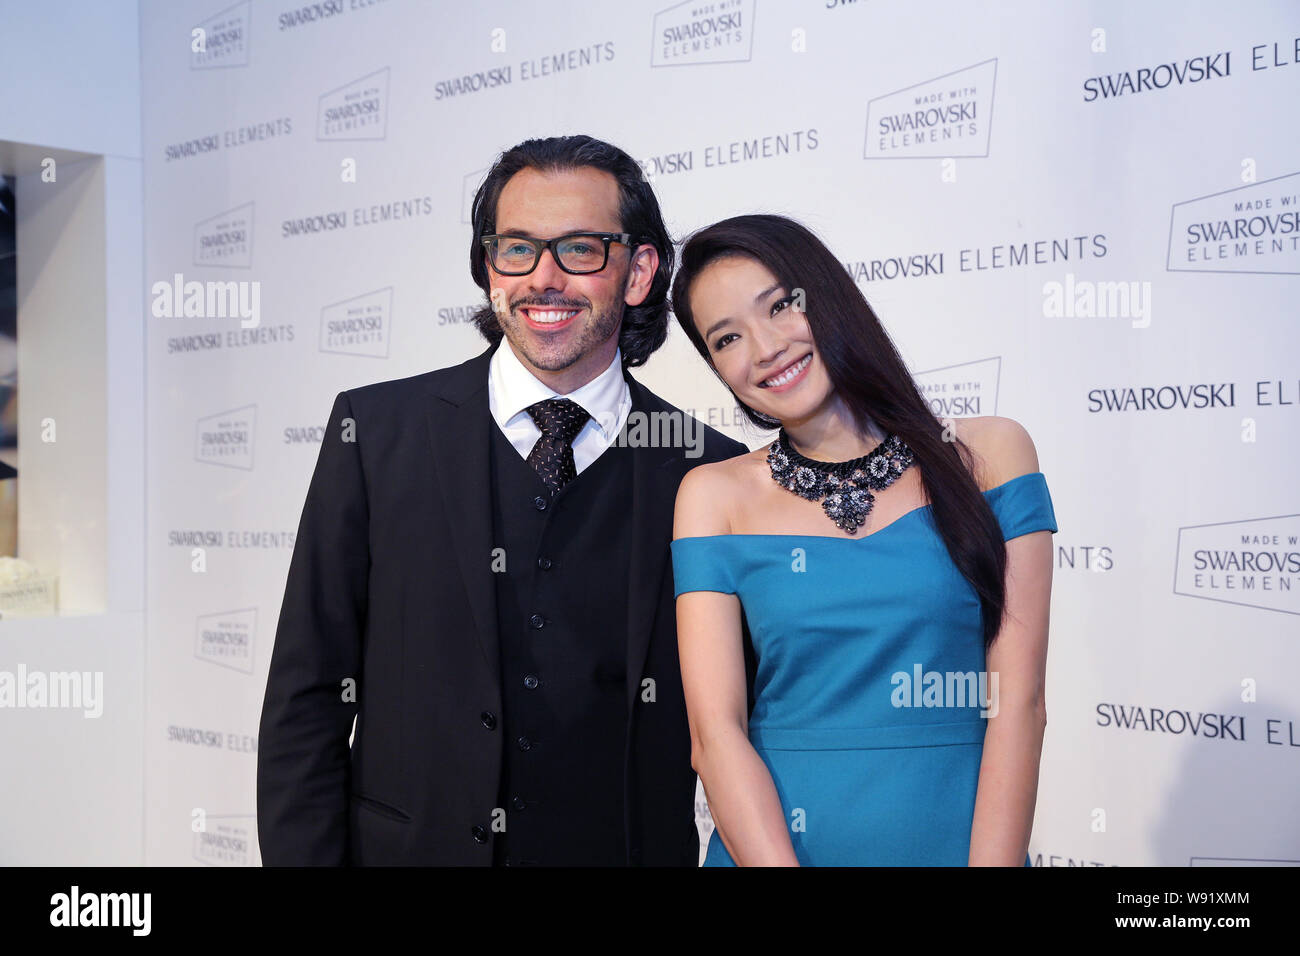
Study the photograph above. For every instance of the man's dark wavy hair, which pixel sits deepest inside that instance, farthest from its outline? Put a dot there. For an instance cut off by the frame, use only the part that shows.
(645, 326)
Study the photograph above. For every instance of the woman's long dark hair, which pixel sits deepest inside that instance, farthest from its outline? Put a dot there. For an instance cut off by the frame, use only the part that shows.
(867, 372)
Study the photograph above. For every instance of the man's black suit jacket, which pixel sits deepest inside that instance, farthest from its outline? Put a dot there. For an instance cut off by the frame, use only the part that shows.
(389, 616)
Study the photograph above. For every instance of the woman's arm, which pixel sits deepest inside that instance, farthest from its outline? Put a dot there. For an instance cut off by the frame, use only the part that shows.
(742, 797)
(1013, 740)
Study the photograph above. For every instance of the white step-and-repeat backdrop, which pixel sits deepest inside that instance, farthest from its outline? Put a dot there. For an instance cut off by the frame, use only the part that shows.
(1084, 216)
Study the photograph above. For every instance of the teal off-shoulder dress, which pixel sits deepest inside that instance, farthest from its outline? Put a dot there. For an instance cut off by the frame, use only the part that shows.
(870, 680)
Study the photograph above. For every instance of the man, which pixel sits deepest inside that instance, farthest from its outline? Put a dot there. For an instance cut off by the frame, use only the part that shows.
(482, 574)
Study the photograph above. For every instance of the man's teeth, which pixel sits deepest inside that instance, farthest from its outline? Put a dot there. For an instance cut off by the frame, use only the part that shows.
(551, 316)
(788, 374)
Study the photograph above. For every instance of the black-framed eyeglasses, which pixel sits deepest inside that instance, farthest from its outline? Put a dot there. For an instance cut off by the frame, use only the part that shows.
(577, 253)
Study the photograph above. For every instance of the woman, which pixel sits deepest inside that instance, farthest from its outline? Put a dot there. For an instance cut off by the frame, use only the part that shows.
(875, 616)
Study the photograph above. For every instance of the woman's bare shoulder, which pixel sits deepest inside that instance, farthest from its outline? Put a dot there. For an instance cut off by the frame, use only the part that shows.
(708, 492)
(1002, 447)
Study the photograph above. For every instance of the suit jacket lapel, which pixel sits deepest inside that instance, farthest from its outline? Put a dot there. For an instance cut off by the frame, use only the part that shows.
(459, 426)
(459, 430)
(653, 480)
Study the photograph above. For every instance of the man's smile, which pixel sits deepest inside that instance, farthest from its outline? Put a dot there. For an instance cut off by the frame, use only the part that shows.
(548, 319)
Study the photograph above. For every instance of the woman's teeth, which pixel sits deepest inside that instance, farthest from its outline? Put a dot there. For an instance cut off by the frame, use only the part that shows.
(789, 374)
(551, 316)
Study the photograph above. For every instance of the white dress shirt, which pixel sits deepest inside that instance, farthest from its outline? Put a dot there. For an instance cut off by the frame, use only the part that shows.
(512, 388)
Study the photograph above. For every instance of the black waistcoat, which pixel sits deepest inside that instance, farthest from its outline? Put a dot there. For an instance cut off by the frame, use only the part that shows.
(562, 617)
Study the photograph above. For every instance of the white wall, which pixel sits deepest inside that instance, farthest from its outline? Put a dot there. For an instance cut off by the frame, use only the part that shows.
(76, 783)
(72, 74)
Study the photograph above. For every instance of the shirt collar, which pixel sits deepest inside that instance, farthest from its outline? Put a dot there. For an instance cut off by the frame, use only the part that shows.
(514, 388)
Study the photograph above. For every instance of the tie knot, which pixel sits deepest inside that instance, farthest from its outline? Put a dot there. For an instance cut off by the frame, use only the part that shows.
(560, 418)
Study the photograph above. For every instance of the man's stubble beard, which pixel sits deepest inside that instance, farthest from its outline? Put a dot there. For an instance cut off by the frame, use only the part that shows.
(595, 334)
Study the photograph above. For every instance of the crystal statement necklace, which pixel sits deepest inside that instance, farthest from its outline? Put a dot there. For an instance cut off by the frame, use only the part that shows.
(843, 484)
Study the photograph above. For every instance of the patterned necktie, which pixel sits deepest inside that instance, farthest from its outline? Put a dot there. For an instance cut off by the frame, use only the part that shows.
(560, 420)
